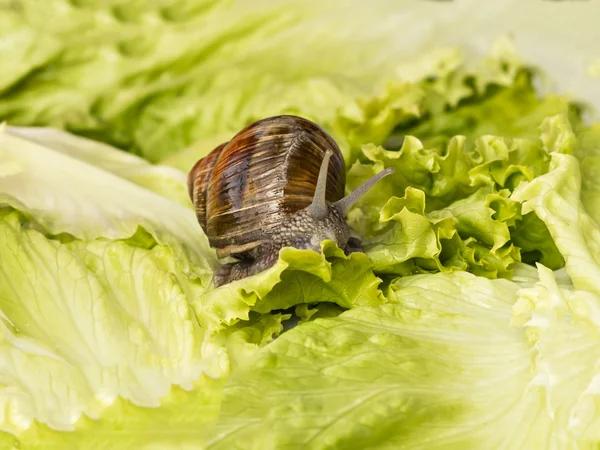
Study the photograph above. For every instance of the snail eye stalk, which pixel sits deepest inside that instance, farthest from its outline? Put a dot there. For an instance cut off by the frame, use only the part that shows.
(318, 207)
(346, 203)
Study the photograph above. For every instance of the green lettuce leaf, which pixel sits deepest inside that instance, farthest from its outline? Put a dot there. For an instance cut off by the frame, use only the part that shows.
(554, 314)
(232, 64)
(445, 173)
(440, 367)
(449, 81)
(513, 110)
(588, 154)
(299, 276)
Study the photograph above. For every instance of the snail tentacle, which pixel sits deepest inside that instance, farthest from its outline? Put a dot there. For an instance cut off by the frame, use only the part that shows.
(318, 208)
(346, 203)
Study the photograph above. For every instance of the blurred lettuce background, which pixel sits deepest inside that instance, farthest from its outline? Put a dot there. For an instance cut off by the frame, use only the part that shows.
(155, 77)
(106, 310)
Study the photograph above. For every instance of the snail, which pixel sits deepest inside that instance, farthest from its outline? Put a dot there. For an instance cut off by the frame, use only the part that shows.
(279, 182)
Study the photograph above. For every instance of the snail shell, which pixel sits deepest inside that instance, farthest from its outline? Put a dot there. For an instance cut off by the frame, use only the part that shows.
(267, 172)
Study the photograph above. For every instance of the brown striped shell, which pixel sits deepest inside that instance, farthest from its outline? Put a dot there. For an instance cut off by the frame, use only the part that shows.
(244, 188)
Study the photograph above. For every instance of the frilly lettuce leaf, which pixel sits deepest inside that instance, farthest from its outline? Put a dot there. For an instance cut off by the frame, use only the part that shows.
(477, 222)
(445, 173)
(468, 235)
(514, 110)
(449, 80)
(299, 276)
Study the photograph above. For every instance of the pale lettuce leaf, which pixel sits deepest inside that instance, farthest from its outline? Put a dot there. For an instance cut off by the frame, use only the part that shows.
(66, 194)
(163, 180)
(182, 421)
(85, 323)
(556, 199)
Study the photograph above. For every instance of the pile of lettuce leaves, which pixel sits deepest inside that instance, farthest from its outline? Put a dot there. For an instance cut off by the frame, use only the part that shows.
(471, 321)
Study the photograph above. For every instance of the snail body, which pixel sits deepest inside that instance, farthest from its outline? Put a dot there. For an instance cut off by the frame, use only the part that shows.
(279, 182)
